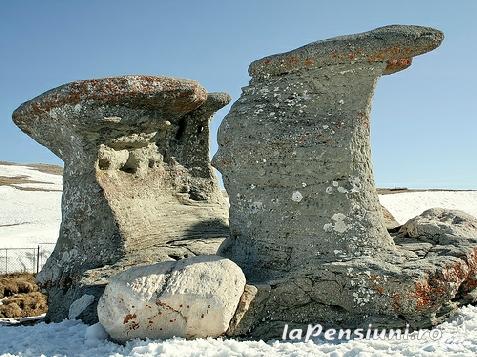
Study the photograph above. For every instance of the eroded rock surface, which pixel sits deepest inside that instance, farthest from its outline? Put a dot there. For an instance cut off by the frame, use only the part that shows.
(138, 186)
(191, 298)
(437, 223)
(306, 225)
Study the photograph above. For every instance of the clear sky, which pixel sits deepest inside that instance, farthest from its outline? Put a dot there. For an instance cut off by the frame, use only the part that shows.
(424, 122)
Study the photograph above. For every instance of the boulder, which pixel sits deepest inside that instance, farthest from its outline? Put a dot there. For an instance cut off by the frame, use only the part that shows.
(437, 223)
(138, 185)
(306, 226)
(192, 297)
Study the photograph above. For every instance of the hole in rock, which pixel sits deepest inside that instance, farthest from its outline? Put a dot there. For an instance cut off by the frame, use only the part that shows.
(181, 129)
(175, 256)
(131, 165)
(103, 164)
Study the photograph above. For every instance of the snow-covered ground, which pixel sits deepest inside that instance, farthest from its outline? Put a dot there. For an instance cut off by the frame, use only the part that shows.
(73, 338)
(406, 205)
(31, 217)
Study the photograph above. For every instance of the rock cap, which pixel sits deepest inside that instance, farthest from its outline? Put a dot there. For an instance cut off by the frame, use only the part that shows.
(394, 44)
(173, 95)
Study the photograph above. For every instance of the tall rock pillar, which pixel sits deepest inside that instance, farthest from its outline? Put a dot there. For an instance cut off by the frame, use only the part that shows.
(306, 225)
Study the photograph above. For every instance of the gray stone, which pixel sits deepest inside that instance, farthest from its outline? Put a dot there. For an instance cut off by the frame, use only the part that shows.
(390, 222)
(436, 223)
(191, 298)
(79, 305)
(138, 185)
(306, 224)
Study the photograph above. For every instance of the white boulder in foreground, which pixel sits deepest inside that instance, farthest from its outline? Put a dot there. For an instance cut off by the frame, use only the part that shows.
(193, 297)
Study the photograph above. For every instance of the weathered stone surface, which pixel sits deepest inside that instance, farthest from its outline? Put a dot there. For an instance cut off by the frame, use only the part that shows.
(394, 45)
(243, 306)
(436, 223)
(389, 221)
(79, 305)
(306, 224)
(138, 185)
(193, 297)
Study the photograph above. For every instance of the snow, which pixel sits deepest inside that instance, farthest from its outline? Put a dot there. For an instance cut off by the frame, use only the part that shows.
(45, 181)
(407, 205)
(29, 217)
(73, 338)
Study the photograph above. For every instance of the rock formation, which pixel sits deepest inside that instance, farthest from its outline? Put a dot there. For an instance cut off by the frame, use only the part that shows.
(306, 225)
(191, 298)
(138, 186)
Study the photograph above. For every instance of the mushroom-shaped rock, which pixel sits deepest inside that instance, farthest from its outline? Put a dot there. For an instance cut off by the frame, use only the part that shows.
(138, 185)
(306, 226)
(192, 298)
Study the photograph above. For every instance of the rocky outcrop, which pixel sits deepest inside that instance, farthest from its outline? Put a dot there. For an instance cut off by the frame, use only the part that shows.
(306, 225)
(437, 223)
(191, 298)
(138, 186)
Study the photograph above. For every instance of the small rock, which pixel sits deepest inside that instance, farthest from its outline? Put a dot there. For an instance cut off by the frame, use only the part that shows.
(243, 306)
(79, 305)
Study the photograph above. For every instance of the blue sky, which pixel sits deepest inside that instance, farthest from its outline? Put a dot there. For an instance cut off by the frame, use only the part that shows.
(424, 122)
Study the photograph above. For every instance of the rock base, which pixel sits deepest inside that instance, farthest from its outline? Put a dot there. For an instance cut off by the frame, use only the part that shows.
(431, 272)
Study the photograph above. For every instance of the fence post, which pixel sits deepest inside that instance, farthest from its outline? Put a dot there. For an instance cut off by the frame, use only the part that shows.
(38, 260)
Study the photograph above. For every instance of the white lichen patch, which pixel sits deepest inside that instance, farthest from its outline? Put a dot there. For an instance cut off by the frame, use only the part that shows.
(362, 294)
(256, 206)
(339, 226)
(297, 196)
(341, 189)
(347, 71)
(355, 184)
(328, 227)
